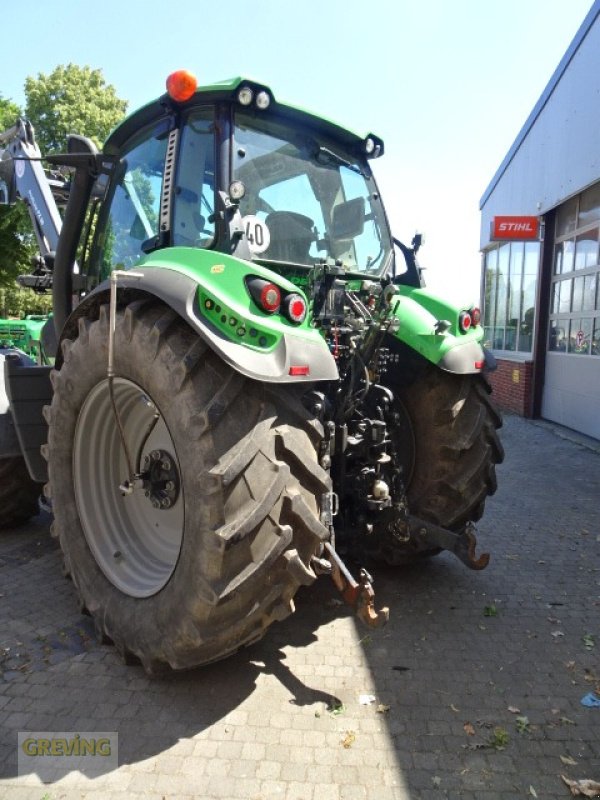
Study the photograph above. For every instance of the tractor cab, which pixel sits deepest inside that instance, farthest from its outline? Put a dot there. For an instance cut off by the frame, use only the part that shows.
(230, 169)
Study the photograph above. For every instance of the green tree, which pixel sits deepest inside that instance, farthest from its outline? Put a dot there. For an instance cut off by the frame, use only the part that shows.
(71, 99)
(9, 112)
(17, 302)
(15, 228)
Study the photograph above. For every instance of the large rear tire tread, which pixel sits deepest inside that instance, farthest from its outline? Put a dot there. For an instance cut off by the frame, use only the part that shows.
(457, 447)
(252, 490)
(19, 495)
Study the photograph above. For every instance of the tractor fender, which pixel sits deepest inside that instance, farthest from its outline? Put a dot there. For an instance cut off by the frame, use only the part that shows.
(307, 352)
(429, 326)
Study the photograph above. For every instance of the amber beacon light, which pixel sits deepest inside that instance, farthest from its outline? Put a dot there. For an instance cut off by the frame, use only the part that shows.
(181, 85)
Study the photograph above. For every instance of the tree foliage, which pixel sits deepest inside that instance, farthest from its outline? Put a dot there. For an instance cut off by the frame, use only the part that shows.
(15, 230)
(18, 302)
(9, 112)
(17, 244)
(71, 99)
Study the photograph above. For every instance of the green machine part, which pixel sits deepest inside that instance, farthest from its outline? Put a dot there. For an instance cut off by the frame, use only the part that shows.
(23, 333)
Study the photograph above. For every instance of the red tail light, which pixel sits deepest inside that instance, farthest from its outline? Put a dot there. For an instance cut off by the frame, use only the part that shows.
(265, 294)
(267, 297)
(270, 298)
(294, 307)
(464, 321)
(475, 316)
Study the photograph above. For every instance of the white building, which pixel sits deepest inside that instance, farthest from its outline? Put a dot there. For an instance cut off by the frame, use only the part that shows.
(541, 298)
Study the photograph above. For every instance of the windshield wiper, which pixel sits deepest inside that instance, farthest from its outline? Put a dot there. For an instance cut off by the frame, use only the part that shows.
(326, 156)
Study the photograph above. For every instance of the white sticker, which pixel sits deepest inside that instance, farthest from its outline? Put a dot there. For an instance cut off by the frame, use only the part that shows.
(19, 167)
(257, 234)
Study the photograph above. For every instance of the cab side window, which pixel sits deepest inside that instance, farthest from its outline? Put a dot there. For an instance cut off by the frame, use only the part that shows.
(130, 215)
(194, 209)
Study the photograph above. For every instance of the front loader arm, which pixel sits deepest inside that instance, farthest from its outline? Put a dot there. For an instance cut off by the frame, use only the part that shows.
(22, 177)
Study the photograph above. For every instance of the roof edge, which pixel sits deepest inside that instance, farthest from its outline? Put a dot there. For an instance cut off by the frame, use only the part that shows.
(583, 31)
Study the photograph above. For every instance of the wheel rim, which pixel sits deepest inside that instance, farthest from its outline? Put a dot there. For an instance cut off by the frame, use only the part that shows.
(135, 540)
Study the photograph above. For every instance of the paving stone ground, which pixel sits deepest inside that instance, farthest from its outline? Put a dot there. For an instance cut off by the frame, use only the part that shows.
(462, 652)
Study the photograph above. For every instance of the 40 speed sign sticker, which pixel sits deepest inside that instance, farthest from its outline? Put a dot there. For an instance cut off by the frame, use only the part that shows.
(257, 234)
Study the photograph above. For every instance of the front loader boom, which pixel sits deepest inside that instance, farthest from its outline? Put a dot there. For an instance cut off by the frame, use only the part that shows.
(22, 177)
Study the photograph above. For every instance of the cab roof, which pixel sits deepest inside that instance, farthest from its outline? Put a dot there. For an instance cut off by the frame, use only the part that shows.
(226, 91)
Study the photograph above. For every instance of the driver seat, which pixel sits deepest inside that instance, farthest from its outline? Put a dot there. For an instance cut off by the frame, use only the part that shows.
(291, 236)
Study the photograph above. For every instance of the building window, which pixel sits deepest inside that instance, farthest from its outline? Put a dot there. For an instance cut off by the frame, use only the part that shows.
(510, 271)
(575, 300)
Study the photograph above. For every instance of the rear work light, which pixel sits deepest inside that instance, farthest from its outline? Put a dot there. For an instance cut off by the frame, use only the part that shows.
(464, 321)
(294, 307)
(248, 96)
(245, 96)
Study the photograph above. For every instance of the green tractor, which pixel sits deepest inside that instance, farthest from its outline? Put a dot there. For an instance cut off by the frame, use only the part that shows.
(19, 494)
(25, 334)
(250, 377)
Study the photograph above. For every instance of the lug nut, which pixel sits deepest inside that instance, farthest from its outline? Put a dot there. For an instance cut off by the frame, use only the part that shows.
(166, 465)
(166, 502)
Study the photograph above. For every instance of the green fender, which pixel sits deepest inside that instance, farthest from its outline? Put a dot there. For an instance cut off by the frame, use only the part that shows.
(430, 326)
(207, 289)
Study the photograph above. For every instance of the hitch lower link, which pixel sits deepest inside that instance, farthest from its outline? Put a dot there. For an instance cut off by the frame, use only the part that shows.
(462, 545)
(359, 595)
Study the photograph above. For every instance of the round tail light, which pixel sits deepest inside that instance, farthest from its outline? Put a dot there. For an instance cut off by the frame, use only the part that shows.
(294, 307)
(464, 321)
(476, 316)
(270, 298)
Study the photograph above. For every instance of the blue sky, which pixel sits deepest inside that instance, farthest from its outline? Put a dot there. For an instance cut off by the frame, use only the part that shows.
(446, 83)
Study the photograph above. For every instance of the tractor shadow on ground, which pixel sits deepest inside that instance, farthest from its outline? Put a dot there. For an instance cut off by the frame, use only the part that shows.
(58, 678)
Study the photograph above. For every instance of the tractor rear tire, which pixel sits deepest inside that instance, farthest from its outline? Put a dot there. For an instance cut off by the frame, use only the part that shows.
(455, 448)
(19, 495)
(186, 580)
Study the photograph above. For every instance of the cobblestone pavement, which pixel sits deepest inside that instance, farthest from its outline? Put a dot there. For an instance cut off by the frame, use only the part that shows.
(477, 678)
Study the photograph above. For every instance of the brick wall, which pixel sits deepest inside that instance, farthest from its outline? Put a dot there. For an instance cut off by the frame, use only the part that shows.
(512, 386)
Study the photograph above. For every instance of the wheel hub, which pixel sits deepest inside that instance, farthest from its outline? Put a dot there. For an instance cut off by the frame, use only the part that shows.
(160, 479)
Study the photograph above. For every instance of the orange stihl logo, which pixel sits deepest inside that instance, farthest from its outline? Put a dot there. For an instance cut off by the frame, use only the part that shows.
(515, 228)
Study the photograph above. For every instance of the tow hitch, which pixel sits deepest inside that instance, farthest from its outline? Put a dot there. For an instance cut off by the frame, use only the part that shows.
(359, 595)
(461, 544)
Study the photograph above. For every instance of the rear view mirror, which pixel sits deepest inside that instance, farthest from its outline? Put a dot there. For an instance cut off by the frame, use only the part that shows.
(348, 219)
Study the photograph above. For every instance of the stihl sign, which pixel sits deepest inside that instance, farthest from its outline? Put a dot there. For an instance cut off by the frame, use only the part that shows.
(516, 228)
